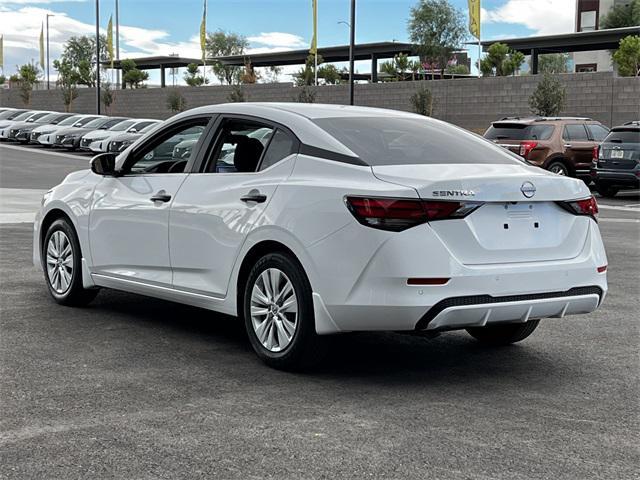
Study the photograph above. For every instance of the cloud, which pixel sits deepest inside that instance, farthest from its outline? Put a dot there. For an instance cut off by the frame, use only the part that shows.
(544, 17)
(39, 2)
(278, 40)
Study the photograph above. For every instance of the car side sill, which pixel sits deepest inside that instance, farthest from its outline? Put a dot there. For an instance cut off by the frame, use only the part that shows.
(166, 293)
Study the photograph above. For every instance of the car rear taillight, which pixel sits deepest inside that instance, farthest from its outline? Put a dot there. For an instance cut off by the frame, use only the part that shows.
(397, 214)
(586, 206)
(595, 155)
(526, 147)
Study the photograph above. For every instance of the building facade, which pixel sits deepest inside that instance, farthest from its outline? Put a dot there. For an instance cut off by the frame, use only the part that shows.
(589, 14)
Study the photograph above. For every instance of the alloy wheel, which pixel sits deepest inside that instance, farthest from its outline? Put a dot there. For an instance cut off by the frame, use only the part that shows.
(274, 310)
(558, 170)
(59, 262)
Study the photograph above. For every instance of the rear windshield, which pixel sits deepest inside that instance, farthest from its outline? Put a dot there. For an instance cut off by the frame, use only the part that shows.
(407, 141)
(518, 131)
(624, 136)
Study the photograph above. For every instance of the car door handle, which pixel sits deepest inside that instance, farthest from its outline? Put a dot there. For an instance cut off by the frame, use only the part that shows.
(568, 145)
(254, 197)
(161, 196)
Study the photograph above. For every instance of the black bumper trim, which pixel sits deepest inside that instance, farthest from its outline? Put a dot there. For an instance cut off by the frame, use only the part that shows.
(439, 307)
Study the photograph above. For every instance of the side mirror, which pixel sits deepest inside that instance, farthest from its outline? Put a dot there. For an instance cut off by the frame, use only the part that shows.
(132, 130)
(104, 164)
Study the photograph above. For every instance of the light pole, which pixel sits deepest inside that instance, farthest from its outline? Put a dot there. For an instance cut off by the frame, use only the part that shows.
(98, 57)
(48, 78)
(118, 40)
(352, 42)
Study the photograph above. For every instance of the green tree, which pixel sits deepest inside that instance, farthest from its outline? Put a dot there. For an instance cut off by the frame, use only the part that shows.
(501, 61)
(28, 75)
(627, 57)
(622, 16)
(68, 79)
(222, 44)
(422, 101)
(131, 75)
(80, 53)
(458, 70)
(3, 79)
(192, 76)
(438, 29)
(176, 101)
(107, 95)
(272, 73)
(306, 75)
(329, 74)
(237, 94)
(415, 66)
(553, 63)
(549, 97)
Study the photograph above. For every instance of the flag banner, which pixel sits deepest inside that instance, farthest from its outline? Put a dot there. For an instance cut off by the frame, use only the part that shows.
(314, 40)
(203, 33)
(42, 46)
(474, 18)
(110, 40)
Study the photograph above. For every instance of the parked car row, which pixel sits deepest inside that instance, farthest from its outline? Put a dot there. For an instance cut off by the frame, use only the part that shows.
(576, 147)
(71, 131)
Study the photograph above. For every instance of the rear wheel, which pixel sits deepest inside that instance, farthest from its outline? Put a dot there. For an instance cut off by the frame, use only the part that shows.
(558, 168)
(278, 314)
(606, 190)
(62, 262)
(503, 334)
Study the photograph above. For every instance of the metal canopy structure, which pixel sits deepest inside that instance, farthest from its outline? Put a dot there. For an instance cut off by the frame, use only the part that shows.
(157, 63)
(566, 43)
(363, 51)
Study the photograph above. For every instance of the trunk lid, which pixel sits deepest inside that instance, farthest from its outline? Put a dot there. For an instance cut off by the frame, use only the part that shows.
(509, 227)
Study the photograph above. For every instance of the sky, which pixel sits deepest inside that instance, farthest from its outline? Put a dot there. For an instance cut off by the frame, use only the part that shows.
(162, 27)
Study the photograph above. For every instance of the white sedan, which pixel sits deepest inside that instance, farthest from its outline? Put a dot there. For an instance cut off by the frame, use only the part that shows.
(341, 219)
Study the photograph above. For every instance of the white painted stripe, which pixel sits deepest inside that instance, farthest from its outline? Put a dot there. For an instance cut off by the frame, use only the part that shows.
(621, 209)
(46, 152)
(618, 220)
(17, 217)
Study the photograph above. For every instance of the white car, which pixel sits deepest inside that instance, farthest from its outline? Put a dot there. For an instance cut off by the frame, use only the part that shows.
(7, 123)
(349, 219)
(45, 135)
(99, 141)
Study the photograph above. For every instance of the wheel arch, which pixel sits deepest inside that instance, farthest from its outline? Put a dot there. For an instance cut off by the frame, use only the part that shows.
(561, 159)
(257, 251)
(51, 216)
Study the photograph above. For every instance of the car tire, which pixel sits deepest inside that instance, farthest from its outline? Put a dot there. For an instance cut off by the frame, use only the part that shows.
(606, 190)
(559, 168)
(278, 314)
(504, 334)
(62, 264)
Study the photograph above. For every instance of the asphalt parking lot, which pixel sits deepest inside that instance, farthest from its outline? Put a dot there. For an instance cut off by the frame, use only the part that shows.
(133, 387)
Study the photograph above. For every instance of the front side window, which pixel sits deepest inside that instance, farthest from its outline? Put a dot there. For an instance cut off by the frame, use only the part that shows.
(575, 133)
(239, 147)
(168, 153)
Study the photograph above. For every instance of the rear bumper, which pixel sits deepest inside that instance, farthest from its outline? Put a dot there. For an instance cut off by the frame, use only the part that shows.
(626, 178)
(478, 311)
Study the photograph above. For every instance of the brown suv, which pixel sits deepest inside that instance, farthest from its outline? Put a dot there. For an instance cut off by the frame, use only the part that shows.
(562, 145)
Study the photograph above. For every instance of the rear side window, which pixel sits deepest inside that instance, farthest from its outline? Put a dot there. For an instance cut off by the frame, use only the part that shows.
(624, 136)
(518, 131)
(575, 132)
(281, 146)
(598, 132)
(411, 141)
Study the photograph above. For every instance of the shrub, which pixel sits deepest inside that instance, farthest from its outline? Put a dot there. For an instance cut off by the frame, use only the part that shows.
(549, 97)
(176, 101)
(422, 101)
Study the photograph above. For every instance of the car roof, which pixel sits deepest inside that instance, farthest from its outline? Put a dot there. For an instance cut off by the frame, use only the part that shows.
(533, 119)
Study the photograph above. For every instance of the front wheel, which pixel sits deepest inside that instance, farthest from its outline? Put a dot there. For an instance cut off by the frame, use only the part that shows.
(504, 334)
(278, 314)
(62, 262)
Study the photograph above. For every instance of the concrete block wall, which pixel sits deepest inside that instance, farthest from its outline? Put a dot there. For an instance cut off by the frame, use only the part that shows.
(471, 103)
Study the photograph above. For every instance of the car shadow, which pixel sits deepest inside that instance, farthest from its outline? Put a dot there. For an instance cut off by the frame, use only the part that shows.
(378, 358)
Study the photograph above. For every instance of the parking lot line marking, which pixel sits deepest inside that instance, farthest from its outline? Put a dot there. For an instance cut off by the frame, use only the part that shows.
(619, 220)
(622, 209)
(45, 152)
(17, 217)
